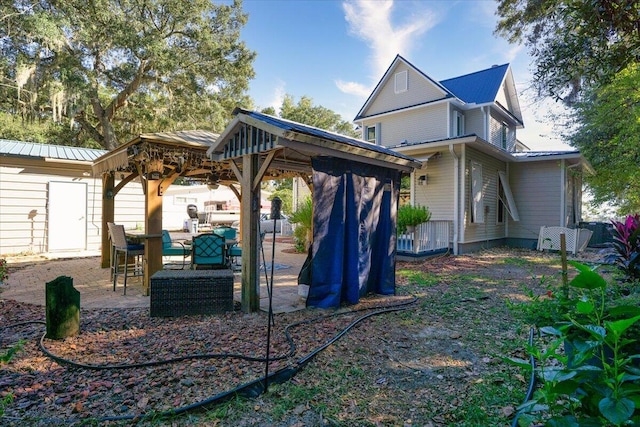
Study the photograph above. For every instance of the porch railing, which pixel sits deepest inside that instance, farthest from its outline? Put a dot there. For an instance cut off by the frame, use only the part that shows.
(427, 237)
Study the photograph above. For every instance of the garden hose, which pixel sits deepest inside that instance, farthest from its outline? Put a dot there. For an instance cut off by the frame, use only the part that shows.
(532, 380)
(251, 389)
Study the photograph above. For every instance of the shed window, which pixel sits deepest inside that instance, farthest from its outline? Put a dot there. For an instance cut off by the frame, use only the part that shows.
(401, 81)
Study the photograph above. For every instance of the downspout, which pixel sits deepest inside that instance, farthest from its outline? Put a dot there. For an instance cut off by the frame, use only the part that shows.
(563, 180)
(456, 202)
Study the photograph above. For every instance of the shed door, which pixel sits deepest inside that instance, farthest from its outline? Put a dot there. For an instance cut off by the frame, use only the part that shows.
(67, 216)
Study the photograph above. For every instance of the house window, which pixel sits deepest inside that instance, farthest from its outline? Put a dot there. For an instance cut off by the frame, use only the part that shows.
(458, 123)
(185, 200)
(401, 81)
(477, 205)
(501, 206)
(503, 136)
(372, 134)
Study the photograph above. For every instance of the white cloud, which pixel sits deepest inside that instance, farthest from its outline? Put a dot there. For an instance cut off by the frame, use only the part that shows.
(278, 95)
(354, 88)
(372, 22)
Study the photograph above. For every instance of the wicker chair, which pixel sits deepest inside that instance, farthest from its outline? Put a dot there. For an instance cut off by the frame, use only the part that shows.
(121, 247)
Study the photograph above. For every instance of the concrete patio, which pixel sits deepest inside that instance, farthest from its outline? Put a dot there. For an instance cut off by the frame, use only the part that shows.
(29, 274)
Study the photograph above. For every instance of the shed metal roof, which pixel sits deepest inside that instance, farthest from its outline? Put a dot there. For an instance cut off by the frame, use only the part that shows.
(11, 148)
(480, 87)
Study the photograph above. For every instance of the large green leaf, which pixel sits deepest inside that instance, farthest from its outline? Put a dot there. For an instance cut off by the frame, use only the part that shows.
(616, 410)
(618, 327)
(588, 279)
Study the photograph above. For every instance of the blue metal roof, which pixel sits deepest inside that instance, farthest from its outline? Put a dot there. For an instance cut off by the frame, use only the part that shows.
(47, 151)
(480, 87)
(288, 125)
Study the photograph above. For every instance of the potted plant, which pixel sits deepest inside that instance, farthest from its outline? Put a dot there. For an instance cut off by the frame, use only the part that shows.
(411, 215)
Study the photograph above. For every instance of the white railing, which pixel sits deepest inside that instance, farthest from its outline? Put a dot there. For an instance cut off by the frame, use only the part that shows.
(427, 237)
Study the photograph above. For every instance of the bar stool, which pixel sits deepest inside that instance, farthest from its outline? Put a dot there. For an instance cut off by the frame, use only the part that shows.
(120, 246)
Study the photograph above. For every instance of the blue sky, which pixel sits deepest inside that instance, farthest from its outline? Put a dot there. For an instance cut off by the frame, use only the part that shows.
(336, 51)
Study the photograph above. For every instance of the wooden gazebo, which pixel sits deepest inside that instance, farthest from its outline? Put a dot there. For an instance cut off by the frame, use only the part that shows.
(252, 147)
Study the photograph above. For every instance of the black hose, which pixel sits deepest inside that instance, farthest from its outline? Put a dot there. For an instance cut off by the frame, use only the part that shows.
(532, 380)
(251, 389)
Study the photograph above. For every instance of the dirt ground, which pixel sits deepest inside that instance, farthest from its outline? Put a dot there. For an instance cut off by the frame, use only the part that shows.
(428, 356)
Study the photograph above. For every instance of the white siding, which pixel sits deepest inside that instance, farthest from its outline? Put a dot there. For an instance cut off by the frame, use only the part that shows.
(420, 90)
(23, 206)
(536, 190)
(419, 125)
(438, 192)
(474, 122)
(489, 229)
(495, 136)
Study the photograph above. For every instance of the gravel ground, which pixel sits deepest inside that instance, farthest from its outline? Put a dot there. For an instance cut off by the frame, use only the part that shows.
(49, 392)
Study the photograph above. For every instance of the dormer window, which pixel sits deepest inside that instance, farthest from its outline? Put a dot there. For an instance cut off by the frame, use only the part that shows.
(401, 81)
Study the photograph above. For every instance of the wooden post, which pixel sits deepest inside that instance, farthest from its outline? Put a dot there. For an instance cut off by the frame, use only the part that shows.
(108, 208)
(152, 226)
(563, 256)
(249, 225)
(62, 308)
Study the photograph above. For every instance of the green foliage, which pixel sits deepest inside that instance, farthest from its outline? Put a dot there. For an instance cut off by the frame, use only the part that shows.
(303, 218)
(574, 44)
(588, 367)
(315, 115)
(626, 242)
(8, 355)
(410, 215)
(607, 135)
(110, 69)
(4, 270)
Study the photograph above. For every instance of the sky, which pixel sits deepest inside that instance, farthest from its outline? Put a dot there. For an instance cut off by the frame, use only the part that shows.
(336, 51)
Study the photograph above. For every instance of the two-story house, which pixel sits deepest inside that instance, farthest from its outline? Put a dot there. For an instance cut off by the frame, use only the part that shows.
(476, 174)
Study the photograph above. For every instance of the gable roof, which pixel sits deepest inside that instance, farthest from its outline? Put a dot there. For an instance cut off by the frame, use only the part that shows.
(11, 148)
(479, 87)
(388, 74)
(303, 141)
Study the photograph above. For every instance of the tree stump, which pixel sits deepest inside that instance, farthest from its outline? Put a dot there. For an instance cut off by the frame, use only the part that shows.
(62, 308)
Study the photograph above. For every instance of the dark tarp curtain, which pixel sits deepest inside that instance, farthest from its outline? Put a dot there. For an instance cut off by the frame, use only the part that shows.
(354, 239)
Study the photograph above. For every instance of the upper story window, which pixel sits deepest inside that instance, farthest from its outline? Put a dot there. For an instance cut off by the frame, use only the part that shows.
(458, 123)
(372, 134)
(504, 132)
(401, 81)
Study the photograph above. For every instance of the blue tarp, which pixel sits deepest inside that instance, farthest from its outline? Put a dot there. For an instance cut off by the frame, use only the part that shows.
(354, 239)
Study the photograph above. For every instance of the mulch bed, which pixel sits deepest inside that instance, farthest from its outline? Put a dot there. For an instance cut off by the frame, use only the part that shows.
(46, 392)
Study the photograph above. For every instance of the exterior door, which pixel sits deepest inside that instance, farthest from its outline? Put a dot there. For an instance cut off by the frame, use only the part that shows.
(67, 216)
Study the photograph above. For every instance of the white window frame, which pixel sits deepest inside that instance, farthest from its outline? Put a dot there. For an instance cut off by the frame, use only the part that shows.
(376, 134)
(458, 123)
(504, 135)
(401, 81)
(477, 197)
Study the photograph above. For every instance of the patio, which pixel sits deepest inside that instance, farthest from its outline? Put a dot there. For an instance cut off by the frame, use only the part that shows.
(28, 276)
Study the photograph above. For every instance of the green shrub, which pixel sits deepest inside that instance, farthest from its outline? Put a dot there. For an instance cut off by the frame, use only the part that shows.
(409, 215)
(303, 218)
(589, 368)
